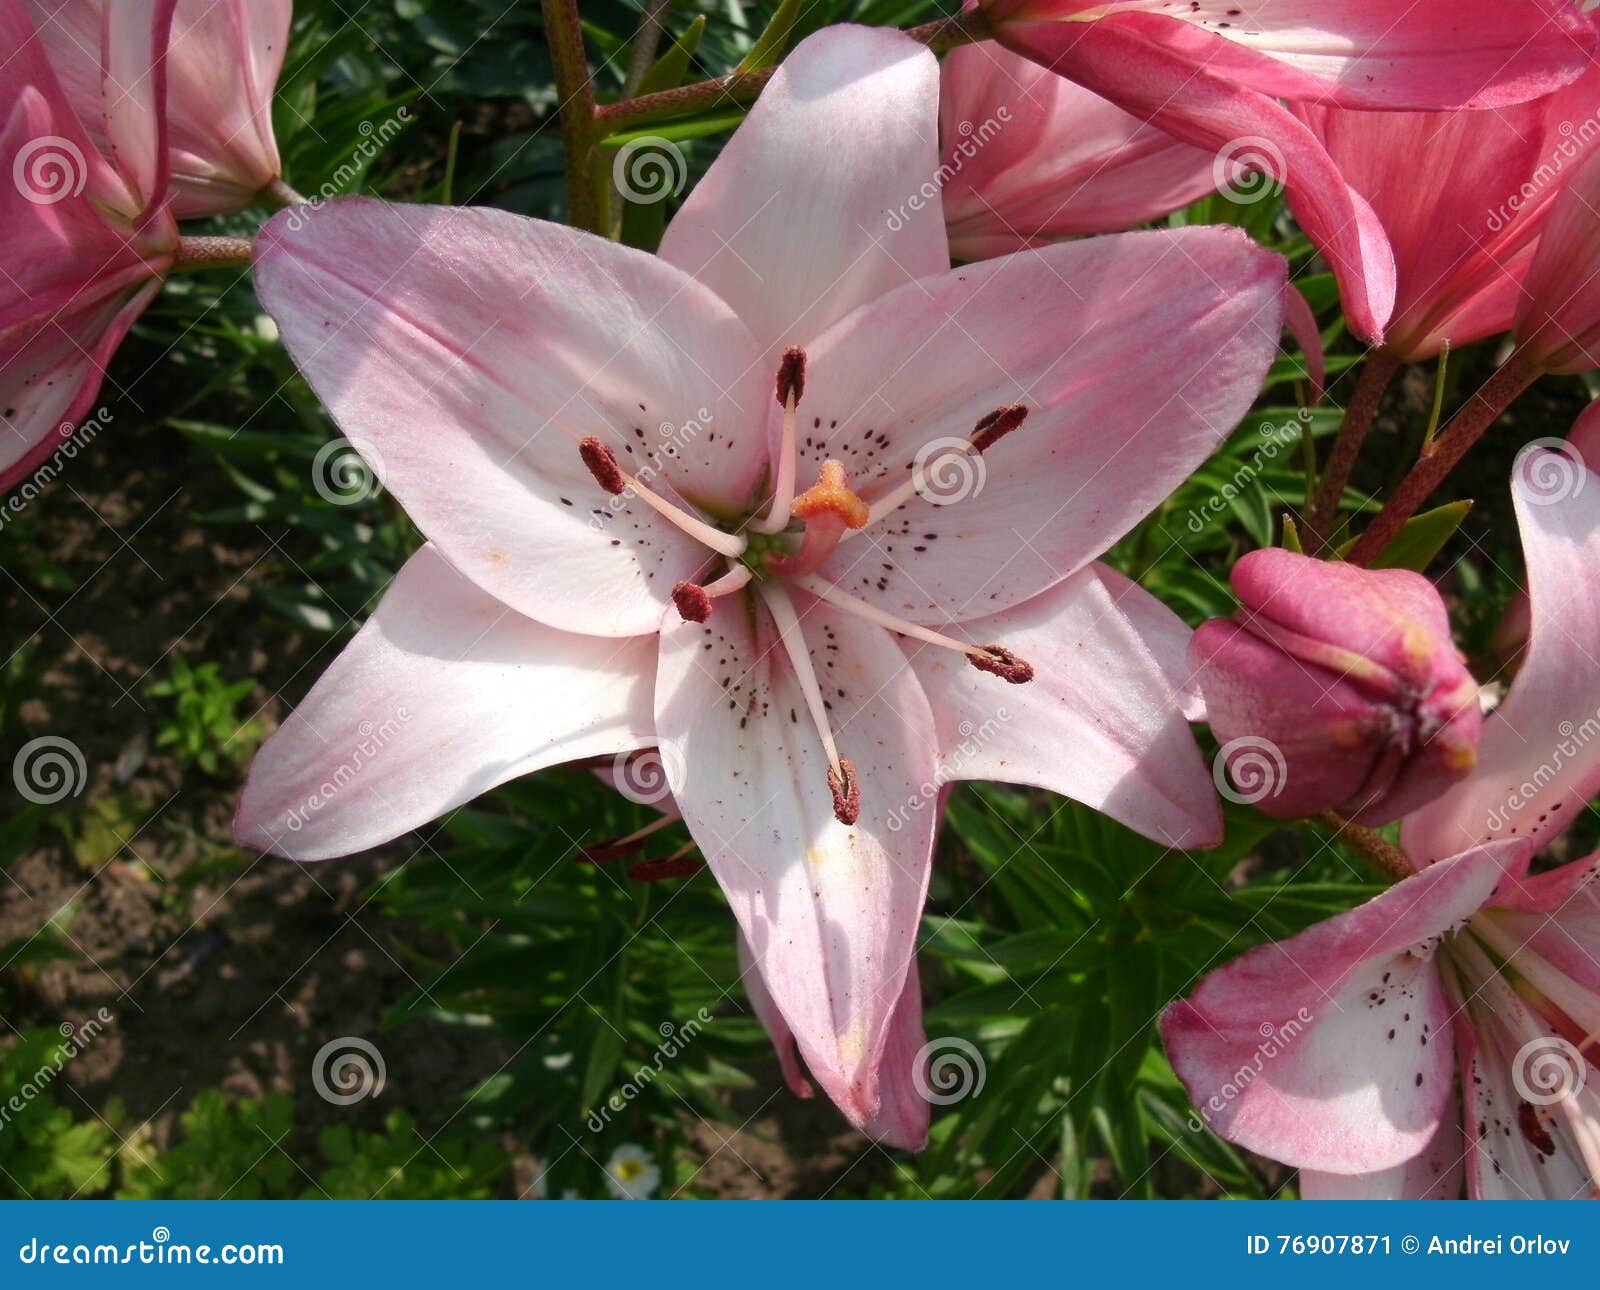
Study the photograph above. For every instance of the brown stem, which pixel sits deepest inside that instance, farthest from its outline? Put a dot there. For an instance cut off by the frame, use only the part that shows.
(1376, 375)
(1381, 852)
(1464, 430)
(947, 33)
(575, 92)
(212, 253)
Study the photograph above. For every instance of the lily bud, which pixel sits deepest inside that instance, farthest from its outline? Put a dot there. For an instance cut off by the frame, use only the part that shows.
(1343, 683)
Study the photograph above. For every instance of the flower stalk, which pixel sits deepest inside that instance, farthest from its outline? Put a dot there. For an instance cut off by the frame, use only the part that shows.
(564, 32)
(1376, 375)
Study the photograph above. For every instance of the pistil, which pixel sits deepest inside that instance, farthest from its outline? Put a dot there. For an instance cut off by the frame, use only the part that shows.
(994, 659)
(602, 464)
(830, 509)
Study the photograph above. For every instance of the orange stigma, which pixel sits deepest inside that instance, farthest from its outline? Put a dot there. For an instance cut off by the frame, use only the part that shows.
(831, 495)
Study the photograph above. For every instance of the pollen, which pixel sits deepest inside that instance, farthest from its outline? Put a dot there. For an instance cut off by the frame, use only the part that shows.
(791, 375)
(999, 661)
(846, 790)
(995, 426)
(693, 601)
(602, 465)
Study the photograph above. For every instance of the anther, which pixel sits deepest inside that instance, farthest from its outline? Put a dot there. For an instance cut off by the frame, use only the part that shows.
(846, 790)
(995, 426)
(999, 661)
(692, 601)
(673, 866)
(602, 465)
(791, 376)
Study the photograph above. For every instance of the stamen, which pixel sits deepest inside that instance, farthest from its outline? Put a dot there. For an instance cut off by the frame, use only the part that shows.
(602, 464)
(991, 427)
(616, 848)
(995, 659)
(790, 385)
(694, 601)
(842, 782)
(680, 864)
(846, 790)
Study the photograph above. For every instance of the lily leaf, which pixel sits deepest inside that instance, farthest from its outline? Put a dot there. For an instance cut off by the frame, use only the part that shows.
(1422, 538)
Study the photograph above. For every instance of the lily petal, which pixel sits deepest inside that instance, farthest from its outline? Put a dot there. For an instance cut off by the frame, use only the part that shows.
(904, 1113)
(817, 203)
(466, 351)
(442, 695)
(1163, 633)
(1203, 106)
(1097, 723)
(1134, 355)
(1331, 1050)
(830, 911)
(1436, 1173)
(1539, 755)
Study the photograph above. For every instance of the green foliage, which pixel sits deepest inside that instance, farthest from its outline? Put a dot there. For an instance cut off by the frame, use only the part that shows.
(229, 1151)
(46, 1152)
(202, 724)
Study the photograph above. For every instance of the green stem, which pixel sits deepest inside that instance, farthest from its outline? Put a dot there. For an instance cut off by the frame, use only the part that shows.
(1467, 427)
(212, 253)
(575, 92)
(611, 118)
(278, 194)
(1376, 374)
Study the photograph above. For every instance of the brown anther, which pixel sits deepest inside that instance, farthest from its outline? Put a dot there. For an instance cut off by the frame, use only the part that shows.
(665, 867)
(831, 495)
(791, 375)
(609, 849)
(999, 661)
(994, 426)
(602, 465)
(846, 790)
(692, 601)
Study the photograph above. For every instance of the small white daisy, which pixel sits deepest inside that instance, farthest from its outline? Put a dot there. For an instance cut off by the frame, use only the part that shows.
(631, 1173)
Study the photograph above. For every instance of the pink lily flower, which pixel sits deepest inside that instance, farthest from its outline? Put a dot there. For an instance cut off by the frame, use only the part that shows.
(1211, 74)
(1558, 322)
(222, 71)
(1448, 1025)
(1030, 158)
(639, 536)
(1463, 197)
(88, 235)
(1350, 676)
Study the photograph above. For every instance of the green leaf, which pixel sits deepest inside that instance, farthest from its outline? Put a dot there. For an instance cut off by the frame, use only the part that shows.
(668, 71)
(1420, 540)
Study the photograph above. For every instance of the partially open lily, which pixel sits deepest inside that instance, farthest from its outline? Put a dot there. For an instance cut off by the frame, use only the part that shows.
(222, 69)
(792, 500)
(1211, 74)
(88, 236)
(1450, 1024)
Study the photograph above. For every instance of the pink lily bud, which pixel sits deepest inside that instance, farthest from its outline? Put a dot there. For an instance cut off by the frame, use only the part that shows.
(88, 237)
(222, 69)
(1028, 158)
(1346, 680)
